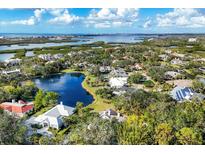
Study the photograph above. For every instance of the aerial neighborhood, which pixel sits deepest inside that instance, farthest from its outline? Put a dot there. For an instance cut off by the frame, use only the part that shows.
(137, 89)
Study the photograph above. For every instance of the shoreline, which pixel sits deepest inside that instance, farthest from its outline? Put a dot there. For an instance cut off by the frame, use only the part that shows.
(99, 104)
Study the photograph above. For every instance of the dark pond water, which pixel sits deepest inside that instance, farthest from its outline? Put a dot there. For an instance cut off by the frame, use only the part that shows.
(68, 86)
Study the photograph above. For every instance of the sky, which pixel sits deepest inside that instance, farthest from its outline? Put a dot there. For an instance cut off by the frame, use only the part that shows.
(102, 20)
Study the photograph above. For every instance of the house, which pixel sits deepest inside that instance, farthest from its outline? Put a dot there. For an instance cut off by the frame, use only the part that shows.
(178, 55)
(123, 90)
(54, 117)
(58, 56)
(182, 93)
(19, 108)
(171, 75)
(163, 57)
(46, 57)
(16, 71)
(138, 67)
(202, 69)
(118, 82)
(13, 62)
(191, 40)
(168, 51)
(118, 78)
(118, 73)
(105, 69)
(110, 114)
(176, 61)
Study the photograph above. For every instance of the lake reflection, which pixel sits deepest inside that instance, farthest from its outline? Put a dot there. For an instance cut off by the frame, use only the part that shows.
(68, 86)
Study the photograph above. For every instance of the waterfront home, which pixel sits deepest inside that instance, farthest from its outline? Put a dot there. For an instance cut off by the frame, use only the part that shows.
(6, 72)
(176, 61)
(191, 40)
(54, 117)
(19, 108)
(109, 114)
(182, 93)
(171, 75)
(13, 62)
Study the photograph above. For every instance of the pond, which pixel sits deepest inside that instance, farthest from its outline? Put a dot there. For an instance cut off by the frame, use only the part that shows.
(6, 56)
(68, 86)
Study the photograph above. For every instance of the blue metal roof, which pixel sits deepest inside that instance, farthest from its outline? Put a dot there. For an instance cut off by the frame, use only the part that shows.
(179, 93)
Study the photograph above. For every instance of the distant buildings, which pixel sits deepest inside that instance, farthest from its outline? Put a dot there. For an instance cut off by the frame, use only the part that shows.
(49, 57)
(13, 62)
(19, 108)
(191, 40)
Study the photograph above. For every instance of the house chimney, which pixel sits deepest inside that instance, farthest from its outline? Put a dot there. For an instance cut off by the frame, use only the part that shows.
(13, 101)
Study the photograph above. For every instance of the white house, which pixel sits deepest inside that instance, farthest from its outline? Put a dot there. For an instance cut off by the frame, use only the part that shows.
(118, 82)
(171, 74)
(13, 61)
(192, 40)
(16, 71)
(176, 61)
(46, 57)
(53, 117)
(58, 56)
(109, 114)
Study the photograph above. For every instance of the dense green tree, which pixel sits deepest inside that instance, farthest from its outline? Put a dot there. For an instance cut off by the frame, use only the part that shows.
(163, 134)
(188, 136)
(94, 131)
(136, 130)
(38, 100)
(11, 130)
(136, 78)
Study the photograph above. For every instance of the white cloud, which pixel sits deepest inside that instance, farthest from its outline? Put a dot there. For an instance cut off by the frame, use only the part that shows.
(62, 16)
(105, 18)
(181, 17)
(30, 21)
(147, 24)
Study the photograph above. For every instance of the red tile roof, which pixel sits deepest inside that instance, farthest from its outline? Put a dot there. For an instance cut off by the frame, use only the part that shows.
(20, 107)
